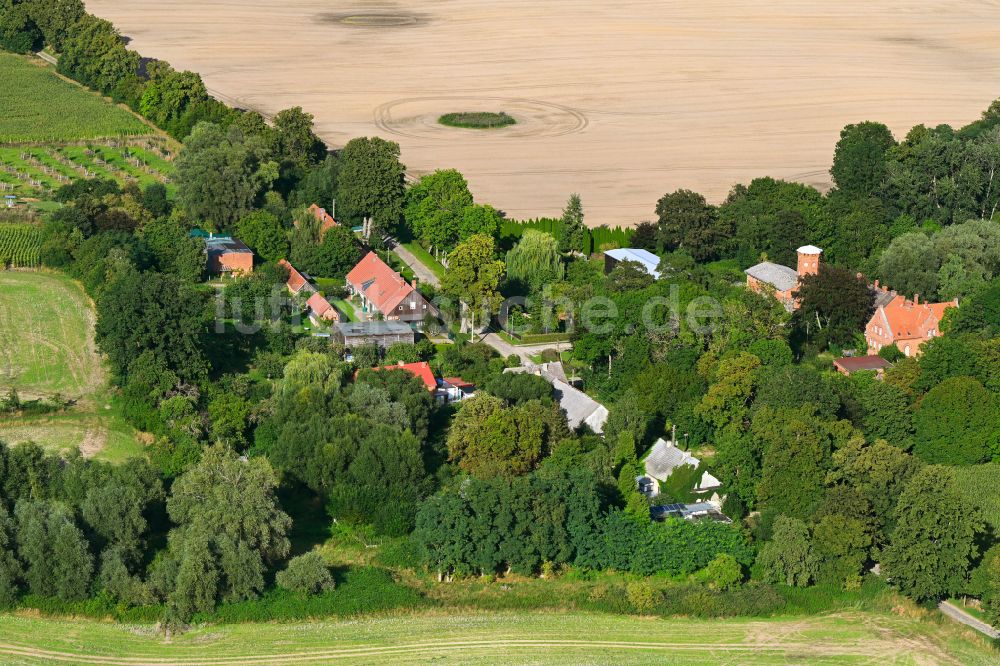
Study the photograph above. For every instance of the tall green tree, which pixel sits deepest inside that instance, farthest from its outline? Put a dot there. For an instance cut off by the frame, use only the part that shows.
(788, 557)
(435, 206)
(957, 423)
(860, 164)
(574, 231)
(795, 463)
(230, 527)
(264, 233)
(156, 313)
(10, 567)
(218, 176)
(834, 305)
(370, 182)
(535, 261)
(934, 542)
(688, 222)
(474, 276)
(298, 145)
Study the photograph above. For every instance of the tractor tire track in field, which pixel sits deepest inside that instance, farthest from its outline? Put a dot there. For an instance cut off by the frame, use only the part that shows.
(872, 649)
(535, 118)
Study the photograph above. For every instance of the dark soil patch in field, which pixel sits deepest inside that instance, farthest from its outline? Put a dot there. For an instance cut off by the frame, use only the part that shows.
(379, 19)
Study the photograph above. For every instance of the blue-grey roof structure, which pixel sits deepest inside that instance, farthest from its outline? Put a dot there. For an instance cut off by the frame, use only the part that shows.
(649, 261)
(780, 277)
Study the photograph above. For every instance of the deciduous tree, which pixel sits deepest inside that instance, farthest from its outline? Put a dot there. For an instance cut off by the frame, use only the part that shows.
(935, 537)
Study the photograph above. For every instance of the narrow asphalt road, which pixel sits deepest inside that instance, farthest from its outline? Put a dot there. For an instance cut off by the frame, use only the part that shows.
(423, 273)
(959, 615)
(504, 348)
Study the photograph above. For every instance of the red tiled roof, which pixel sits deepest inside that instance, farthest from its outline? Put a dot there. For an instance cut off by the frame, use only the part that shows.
(325, 219)
(907, 319)
(458, 382)
(381, 285)
(321, 307)
(295, 279)
(851, 364)
(421, 371)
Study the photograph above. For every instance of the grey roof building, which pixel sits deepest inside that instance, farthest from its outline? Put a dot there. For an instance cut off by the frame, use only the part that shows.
(382, 333)
(649, 261)
(580, 408)
(782, 278)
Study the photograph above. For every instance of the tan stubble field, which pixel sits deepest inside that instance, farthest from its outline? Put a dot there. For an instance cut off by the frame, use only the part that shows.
(619, 101)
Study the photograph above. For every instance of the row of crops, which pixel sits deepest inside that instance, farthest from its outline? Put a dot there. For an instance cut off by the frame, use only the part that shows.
(39, 106)
(19, 245)
(38, 171)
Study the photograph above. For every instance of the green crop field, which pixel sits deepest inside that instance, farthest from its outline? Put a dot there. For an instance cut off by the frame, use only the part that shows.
(19, 245)
(513, 638)
(47, 347)
(38, 105)
(47, 336)
(37, 171)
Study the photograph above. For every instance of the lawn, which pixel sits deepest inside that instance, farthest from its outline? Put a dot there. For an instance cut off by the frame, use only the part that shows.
(38, 105)
(853, 637)
(345, 308)
(47, 347)
(47, 336)
(426, 258)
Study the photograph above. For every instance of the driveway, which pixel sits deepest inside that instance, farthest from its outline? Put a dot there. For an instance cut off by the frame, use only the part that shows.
(959, 615)
(423, 273)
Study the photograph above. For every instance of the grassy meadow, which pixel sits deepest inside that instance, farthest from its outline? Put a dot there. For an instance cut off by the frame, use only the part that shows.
(47, 347)
(38, 105)
(480, 638)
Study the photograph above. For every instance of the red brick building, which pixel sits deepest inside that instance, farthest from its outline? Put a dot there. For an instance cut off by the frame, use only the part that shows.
(383, 290)
(905, 323)
(782, 281)
(317, 306)
(227, 255)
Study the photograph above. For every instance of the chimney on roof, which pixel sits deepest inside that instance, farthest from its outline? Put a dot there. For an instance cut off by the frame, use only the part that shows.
(400, 363)
(916, 299)
(413, 283)
(876, 284)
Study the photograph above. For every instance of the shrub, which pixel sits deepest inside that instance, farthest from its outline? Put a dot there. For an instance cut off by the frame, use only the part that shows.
(306, 574)
(722, 573)
(642, 595)
(477, 119)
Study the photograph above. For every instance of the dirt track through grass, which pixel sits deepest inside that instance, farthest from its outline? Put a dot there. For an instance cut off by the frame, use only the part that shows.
(863, 638)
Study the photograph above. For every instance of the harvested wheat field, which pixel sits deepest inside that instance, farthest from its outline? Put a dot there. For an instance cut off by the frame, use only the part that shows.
(619, 101)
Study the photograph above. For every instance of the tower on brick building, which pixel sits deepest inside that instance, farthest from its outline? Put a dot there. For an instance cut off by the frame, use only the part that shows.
(808, 260)
(782, 281)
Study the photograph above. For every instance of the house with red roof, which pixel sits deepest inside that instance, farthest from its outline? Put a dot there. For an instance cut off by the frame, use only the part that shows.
(904, 323)
(383, 290)
(455, 389)
(848, 365)
(296, 280)
(421, 371)
(324, 218)
(317, 306)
